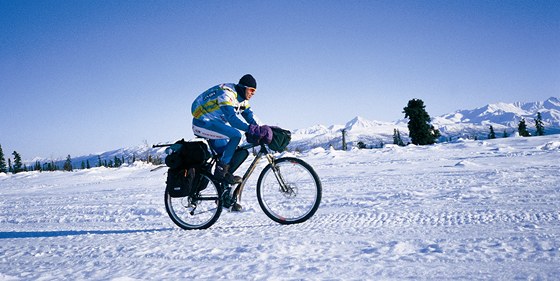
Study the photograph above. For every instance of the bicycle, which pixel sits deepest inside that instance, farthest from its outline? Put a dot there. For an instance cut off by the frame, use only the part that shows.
(288, 191)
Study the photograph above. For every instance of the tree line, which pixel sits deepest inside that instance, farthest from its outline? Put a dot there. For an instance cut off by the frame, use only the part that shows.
(18, 166)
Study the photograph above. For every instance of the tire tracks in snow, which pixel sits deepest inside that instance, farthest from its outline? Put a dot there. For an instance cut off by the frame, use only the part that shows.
(444, 218)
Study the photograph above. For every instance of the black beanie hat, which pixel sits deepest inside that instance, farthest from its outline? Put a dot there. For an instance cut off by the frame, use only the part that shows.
(248, 81)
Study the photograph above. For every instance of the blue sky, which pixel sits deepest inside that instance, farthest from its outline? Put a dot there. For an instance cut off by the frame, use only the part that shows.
(81, 77)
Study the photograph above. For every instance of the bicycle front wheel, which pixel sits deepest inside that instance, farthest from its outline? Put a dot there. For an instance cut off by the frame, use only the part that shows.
(289, 191)
(199, 211)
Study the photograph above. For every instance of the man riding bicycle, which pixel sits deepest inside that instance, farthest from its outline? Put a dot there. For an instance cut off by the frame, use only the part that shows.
(216, 118)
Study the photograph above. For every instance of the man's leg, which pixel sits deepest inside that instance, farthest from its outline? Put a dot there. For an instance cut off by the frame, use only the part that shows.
(224, 131)
(220, 130)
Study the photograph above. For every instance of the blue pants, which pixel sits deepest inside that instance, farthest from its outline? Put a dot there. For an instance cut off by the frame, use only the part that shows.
(221, 137)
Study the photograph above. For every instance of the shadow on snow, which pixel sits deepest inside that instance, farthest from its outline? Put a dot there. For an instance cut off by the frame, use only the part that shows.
(44, 234)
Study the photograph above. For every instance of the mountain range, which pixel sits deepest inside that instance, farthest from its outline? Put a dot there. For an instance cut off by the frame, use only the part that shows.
(471, 124)
(475, 123)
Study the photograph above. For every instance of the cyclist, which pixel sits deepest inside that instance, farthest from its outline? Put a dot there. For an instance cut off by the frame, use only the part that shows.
(215, 117)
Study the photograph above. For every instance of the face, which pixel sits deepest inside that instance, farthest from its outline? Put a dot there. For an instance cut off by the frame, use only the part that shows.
(249, 92)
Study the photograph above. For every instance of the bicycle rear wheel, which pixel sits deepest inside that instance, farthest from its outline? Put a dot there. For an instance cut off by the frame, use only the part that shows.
(290, 195)
(199, 211)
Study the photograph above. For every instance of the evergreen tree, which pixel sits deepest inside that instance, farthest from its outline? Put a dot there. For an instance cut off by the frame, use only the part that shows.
(539, 125)
(505, 134)
(88, 166)
(10, 168)
(3, 167)
(83, 165)
(523, 128)
(68, 164)
(99, 163)
(492, 134)
(420, 130)
(397, 139)
(18, 165)
(37, 166)
(117, 162)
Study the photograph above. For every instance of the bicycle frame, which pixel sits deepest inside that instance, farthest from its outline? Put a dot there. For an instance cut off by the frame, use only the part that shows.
(262, 152)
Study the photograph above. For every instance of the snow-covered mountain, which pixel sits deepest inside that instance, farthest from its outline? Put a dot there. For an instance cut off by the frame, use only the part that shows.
(359, 129)
(126, 155)
(473, 123)
(504, 117)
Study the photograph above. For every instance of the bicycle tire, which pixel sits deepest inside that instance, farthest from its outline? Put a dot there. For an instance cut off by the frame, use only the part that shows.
(208, 208)
(294, 206)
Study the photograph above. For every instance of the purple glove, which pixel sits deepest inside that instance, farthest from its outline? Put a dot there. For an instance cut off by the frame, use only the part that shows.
(259, 134)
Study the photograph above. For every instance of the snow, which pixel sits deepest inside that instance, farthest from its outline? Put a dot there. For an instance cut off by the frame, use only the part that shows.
(467, 210)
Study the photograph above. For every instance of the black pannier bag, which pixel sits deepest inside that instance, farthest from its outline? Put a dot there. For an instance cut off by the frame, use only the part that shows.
(280, 139)
(185, 154)
(185, 182)
(183, 160)
(180, 182)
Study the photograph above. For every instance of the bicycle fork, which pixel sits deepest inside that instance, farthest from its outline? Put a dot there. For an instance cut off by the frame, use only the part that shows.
(283, 186)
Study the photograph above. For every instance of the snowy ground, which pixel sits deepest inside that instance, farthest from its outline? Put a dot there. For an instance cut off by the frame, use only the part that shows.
(470, 210)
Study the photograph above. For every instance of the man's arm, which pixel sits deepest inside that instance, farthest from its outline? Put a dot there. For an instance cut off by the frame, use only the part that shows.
(232, 118)
(249, 116)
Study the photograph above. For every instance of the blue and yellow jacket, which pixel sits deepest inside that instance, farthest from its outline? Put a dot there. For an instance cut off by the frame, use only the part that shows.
(222, 103)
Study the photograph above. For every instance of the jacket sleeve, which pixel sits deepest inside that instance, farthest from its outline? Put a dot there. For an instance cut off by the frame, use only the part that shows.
(249, 116)
(232, 118)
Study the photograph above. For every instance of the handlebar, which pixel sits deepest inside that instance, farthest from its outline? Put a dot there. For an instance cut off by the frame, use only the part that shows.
(162, 145)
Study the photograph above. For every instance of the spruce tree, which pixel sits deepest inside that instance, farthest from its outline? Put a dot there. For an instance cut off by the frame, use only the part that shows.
(117, 161)
(539, 125)
(68, 164)
(401, 142)
(3, 167)
(18, 165)
(506, 134)
(523, 128)
(420, 130)
(397, 138)
(492, 134)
